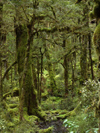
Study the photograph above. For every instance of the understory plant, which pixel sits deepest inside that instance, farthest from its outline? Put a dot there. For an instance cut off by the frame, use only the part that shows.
(86, 120)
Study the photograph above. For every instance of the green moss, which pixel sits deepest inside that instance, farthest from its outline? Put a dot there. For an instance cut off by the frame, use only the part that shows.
(10, 124)
(13, 112)
(48, 130)
(96, 10)
(45, 95)
(41, 114)
(91, 15)
(13, 105)
(96, 39)
(31, 118)
(16, 119)
(62, 116)
(26, 127)
(6, 95)
(15, 92)
(12, 100)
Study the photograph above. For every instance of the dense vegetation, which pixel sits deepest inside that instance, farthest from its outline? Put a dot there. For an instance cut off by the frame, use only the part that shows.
(49, 66)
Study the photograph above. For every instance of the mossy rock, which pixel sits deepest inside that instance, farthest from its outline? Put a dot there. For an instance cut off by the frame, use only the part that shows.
(48, 130)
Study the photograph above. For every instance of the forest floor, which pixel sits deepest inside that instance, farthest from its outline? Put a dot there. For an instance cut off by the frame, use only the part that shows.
(60, 115)
(57, 126)
(54, 109)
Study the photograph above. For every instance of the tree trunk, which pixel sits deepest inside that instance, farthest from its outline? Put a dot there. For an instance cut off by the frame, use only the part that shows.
(65, 69)
(6, 66)
(90, 56)
(41, 80)
(1, 89)
(21, 43)
(38, 80)
(73, 63)
(53, 86)
(28, 97)
(83, 59)
(1, 14)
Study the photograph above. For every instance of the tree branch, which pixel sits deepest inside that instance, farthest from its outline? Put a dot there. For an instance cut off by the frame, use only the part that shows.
(15, 62)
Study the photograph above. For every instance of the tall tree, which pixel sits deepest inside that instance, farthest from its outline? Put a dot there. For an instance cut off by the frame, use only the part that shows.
(1, 35)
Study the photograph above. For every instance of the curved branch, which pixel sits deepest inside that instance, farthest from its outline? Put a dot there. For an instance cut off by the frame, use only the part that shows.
(15, 62)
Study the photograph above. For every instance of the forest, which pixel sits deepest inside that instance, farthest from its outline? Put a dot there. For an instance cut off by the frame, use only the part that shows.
(49, 66)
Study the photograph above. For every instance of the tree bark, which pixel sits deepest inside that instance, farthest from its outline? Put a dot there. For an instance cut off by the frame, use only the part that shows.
(83, 59)
(90, 56)
(1, 15)
(41, 80)
(65, 69)
(53, 86)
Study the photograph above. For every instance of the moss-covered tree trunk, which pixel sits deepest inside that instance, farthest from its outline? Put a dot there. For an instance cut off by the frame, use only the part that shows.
(90, 56)
(21, 42)
(96, 41)
(73, 63)
(83, 59)
(27, 90)
(53, 86)
(1, 89)
(1, 15)
(65, 64)
(41, 78)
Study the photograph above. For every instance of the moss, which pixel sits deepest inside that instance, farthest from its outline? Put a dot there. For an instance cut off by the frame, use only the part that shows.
(38, 114)
(57, 114)
(48, 130)
(16, 120)
(10, 124)
(62, 116)
(41, 114)
(96, 39)
(15, 92)
(13, 112)
(13, 105)
(6, 95)
(31, 118)
(12, 100)
(26, 127)
(91, 15)
(96, 10)
(45, 95)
